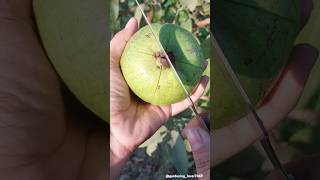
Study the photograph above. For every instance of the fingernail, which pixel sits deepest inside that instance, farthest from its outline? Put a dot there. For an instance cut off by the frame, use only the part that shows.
(304, 56)
(198, 138)
(305, 11)
(130, 22)
(206, 79)
(302, 59)
(205, 64)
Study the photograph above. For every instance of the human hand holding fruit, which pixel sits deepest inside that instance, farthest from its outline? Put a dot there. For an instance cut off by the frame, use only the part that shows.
(131, 120)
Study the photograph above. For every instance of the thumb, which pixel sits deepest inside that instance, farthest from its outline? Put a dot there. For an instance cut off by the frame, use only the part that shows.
(119, 41)
(199, 140)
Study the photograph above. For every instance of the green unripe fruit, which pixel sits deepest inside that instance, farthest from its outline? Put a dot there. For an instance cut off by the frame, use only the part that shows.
(256, 37)
(74, 36)
(147, 71)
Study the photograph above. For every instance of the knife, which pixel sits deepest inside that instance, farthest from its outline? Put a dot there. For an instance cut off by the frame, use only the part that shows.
(188, 96)
(265, 141)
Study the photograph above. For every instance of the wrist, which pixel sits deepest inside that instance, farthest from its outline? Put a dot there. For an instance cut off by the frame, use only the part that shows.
(118, 150)
(119, 156)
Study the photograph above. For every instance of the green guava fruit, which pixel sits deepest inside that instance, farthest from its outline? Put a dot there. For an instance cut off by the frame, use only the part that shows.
(73, 34)
(256, 36)
(146, 70)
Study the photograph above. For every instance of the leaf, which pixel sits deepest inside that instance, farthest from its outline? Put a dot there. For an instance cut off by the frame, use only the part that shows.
(151, 148)
(183, 16)
(187, 145)
(289, 127)
(205, 9)
(203, 34)
(114, 13)
(206, 47)
(178, 153)
(158, 15)
(303, 136)
(170, 14)
(174, 136)
(190, 4)
(317, 105)
(187, 25)
(207, 73)
(169, 3)
(235, 165)
(307, 139)
(152, 143)
(131, 3)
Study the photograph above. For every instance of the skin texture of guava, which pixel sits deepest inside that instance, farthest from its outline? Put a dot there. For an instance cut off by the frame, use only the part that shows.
(147, 72)
(74, 36)
(256, 37)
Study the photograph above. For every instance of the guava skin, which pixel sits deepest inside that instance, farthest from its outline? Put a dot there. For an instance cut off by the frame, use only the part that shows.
(73, 34)
(147, 72)
(256, 36)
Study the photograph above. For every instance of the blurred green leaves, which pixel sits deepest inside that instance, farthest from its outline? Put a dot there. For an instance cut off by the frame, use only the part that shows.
(247, 165)
(114, 13)
(190, 4)
(152, 143)
(186, 13)
(178, 153)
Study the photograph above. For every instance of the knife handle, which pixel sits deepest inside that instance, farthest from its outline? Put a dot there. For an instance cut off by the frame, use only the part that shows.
(204, 119)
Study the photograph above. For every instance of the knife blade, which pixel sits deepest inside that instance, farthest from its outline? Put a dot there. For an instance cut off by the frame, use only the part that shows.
(188, 96)
(265, 140)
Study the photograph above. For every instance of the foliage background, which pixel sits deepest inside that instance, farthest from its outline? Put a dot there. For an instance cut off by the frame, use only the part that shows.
(166, 152)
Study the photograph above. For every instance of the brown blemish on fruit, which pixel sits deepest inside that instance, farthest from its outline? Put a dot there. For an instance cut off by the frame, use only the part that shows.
(148, 35)
(162, 61)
